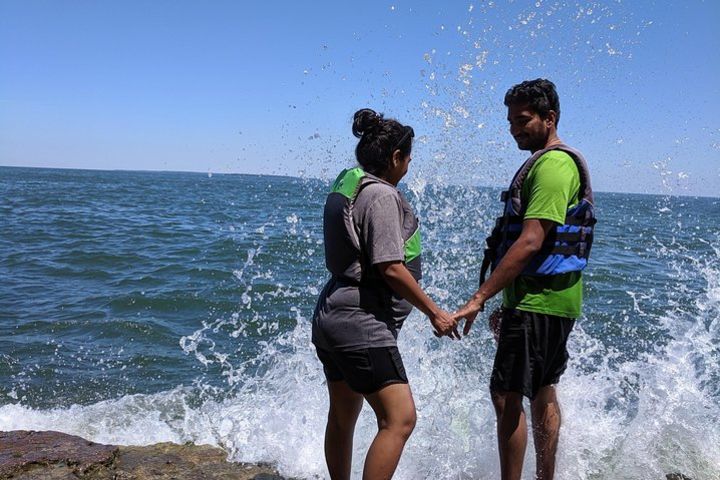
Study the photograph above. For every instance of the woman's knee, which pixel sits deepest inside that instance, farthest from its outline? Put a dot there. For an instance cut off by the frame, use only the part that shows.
(401, 423)
(395, 409)
(403, 429)
(410, 422)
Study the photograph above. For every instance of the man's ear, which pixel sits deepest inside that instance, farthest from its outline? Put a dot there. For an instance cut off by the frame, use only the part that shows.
(551, 118)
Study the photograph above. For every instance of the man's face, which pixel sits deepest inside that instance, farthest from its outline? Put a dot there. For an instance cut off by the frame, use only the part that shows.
(527, 128)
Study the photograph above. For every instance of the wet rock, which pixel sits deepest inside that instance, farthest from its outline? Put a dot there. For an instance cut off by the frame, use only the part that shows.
(23, 451)
(166, 461)
(28, 455)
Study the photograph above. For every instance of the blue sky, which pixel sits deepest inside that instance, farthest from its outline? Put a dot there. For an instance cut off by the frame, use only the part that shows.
(271, 87)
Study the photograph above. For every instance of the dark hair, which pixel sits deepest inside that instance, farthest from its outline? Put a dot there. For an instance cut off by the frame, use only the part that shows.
(379, 138)
(539, 94)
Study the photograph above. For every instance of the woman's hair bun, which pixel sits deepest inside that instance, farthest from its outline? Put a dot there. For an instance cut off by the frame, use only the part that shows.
(365, 120)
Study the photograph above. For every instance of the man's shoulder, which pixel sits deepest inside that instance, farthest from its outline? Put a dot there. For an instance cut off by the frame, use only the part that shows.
(553, 180)
(554, 163)
(555, 156)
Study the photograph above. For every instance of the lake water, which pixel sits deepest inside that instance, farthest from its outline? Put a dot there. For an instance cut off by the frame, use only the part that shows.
(139, 307)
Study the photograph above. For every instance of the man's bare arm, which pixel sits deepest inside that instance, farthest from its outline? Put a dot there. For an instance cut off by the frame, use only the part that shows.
(513, 263)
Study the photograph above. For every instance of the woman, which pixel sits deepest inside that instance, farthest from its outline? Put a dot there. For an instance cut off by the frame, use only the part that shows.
(372, 250)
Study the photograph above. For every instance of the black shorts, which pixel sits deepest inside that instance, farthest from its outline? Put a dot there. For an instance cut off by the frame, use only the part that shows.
(531, 352)
(365, 371)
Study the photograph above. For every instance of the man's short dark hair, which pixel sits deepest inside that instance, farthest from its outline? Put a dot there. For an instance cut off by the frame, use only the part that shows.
(539, 94)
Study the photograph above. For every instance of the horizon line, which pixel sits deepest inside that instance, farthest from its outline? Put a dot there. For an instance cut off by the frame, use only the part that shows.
(210, 172)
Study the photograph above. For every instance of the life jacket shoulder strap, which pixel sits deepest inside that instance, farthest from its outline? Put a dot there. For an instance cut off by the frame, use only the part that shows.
(512, 195)
(350, 182)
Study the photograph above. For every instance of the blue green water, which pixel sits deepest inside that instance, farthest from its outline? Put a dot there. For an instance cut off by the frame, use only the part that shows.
(138, 307)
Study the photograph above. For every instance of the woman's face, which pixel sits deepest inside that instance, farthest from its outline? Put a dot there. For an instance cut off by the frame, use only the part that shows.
(398, 167)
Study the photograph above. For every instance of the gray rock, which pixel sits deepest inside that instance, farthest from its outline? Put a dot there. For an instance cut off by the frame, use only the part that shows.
(56, 453)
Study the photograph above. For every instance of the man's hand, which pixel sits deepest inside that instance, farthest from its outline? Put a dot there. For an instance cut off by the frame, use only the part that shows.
(494, 322)
(470, 310)
(444, 324)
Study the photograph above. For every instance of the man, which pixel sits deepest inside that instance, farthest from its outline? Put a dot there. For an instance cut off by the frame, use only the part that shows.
(537, 250)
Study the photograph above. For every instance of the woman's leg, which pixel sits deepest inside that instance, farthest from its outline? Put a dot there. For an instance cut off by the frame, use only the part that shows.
(345, 406)
(395, 411)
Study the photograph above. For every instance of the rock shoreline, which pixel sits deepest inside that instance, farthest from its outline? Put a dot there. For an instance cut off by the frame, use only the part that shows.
(48, 455)
(26, 455)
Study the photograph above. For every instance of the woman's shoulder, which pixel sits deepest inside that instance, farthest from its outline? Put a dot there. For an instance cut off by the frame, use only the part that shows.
(377, 198)
(377, 189)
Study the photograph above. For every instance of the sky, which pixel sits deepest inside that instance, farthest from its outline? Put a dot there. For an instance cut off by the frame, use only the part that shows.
(271, 87)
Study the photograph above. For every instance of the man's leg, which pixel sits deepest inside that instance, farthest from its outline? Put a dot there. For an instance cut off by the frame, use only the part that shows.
(546, 431)
(345, 406)
(395, 411)
(511, 432)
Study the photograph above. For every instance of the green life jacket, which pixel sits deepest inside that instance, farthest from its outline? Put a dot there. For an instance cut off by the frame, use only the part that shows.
(344, 252)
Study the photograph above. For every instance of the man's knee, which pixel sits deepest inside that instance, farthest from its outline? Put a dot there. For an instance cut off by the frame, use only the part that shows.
(545, 402)
(546, 394)
(505, 401)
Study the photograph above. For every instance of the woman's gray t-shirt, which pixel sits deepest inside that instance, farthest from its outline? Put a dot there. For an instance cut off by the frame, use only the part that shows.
(352, 317)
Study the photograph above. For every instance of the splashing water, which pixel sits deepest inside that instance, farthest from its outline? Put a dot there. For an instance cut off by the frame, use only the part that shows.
(237, 286)
(639, 398)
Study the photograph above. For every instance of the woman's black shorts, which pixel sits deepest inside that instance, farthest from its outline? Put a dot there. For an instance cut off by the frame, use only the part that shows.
(531, 353)
(365, 371)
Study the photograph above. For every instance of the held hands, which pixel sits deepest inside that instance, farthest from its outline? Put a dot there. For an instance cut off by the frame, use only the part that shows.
(444, 324)
(447, 324)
